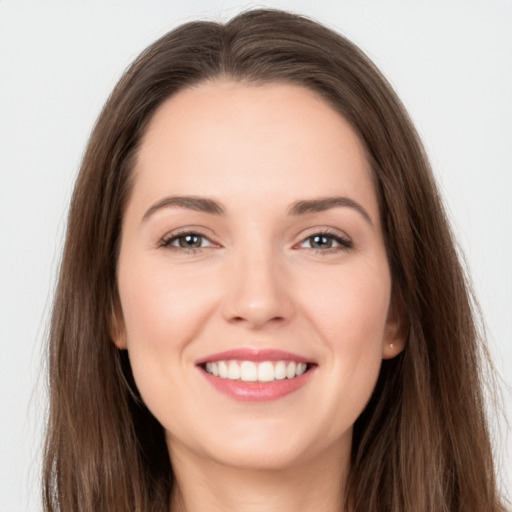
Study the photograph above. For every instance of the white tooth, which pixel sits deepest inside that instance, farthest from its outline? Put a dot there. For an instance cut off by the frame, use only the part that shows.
(290, 370)
(301, 368)
(209, 367)
(280, 370)
(248, 371)
(265, 372)
(233, 371)
(215, 369)
(223, 369)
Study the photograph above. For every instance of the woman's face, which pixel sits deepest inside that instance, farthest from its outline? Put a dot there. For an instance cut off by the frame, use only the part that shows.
(253, 278)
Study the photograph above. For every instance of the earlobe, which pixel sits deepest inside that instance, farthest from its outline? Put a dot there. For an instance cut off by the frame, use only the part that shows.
(392, 349)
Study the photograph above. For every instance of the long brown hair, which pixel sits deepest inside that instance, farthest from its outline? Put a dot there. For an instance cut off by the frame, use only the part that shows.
(422, 443)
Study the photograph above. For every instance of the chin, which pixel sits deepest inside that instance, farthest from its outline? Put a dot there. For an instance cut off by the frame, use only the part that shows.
(266, 447)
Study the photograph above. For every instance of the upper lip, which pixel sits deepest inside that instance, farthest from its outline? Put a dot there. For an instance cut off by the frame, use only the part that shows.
(253, 354)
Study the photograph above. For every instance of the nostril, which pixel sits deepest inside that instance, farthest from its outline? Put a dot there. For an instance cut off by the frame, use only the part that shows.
(257, 320)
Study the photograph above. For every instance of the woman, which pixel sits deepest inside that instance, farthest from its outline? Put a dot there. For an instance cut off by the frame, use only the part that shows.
(260, 304)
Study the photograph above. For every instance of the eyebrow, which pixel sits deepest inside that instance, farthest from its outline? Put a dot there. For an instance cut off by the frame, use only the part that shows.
(206, 205)
(198, 204)
(322, 204)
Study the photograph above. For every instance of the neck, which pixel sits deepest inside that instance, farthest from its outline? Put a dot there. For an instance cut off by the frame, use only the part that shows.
(312, 485)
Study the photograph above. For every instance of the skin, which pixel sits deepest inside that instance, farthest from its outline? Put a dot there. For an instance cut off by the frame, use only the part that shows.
(257, 281)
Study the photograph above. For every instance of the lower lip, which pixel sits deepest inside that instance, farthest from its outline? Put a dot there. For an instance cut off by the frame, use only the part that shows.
(257, 391)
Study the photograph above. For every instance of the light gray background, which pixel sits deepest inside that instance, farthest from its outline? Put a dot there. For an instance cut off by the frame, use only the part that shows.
(450, 61)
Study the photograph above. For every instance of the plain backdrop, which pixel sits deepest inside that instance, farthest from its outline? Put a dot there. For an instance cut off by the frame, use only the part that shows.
(450, 62)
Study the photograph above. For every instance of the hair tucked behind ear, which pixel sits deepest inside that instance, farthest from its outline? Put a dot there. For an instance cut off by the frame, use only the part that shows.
(422, 443)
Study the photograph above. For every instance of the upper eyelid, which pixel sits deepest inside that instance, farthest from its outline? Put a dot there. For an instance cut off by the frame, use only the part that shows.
(192, 230)
(166, 241)
(326, 230)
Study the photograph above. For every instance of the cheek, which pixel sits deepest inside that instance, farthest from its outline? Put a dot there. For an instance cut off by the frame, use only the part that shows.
(162, 313)
(161, 309)
(350, 306)
(350, 311)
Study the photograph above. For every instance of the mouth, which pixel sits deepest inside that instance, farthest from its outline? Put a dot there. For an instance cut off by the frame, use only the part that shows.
(256, 375)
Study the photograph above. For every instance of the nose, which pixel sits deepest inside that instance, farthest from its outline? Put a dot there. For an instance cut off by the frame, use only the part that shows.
(258, 291)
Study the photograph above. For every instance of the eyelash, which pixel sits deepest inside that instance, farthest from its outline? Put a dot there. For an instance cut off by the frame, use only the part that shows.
(343, 243)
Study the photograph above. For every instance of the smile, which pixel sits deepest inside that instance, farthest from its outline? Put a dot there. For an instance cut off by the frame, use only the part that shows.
(250, 371)
(255, 375)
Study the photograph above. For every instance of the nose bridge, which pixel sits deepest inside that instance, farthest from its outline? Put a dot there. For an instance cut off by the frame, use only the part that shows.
(256, 286)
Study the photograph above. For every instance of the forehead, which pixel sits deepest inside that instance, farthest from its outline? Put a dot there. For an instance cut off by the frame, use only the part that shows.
(272, 142)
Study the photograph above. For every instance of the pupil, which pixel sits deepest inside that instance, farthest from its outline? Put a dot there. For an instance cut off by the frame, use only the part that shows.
(190, 241)
(321, 241)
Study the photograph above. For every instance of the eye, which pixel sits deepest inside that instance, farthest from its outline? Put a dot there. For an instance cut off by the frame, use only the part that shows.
(326, 242)
(187, 241)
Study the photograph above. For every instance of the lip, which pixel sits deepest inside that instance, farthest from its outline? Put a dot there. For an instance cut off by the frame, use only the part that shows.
(255, 355)
(256, 391)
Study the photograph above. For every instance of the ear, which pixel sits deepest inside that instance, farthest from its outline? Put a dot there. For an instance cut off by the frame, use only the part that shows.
(397, 328)
(118, 328)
